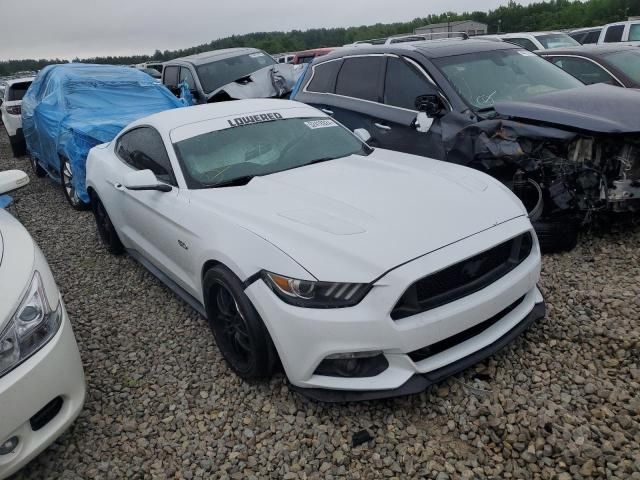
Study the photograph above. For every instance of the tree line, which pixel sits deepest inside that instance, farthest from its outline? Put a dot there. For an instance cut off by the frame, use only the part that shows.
(550, 15)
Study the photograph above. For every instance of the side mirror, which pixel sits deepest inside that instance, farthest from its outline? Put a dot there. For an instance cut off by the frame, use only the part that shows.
(430, 104)
(12, 180)
(144, 180)
(363, 134)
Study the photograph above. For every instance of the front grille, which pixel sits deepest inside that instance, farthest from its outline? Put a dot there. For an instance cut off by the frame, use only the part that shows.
(463, 336)
(464, 278)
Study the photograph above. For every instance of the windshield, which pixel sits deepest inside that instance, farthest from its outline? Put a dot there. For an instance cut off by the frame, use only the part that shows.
(628, 62)
(241, 152)
(483, 78)
(557, 40)
(221, 72)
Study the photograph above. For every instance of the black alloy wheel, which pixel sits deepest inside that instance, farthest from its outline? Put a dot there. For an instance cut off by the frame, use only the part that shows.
(106, 230)
(240, 333)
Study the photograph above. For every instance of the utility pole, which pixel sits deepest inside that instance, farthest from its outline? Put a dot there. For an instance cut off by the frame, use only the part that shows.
(499, 25)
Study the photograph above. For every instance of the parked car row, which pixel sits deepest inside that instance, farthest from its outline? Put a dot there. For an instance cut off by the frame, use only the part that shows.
(273, 218)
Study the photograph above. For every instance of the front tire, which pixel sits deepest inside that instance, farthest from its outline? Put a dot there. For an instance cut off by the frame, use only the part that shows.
(106, 230)
(70, 192)
(237, 327)
(37, 169)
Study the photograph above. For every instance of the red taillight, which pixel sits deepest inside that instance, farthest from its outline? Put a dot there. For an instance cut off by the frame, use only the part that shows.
(14, 110)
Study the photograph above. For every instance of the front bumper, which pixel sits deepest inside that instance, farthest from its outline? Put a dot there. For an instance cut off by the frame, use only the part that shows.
(52, 378)
(420, 382)
(306, 337)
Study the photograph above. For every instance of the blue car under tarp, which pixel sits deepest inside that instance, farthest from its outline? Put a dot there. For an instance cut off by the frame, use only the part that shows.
(71, 108)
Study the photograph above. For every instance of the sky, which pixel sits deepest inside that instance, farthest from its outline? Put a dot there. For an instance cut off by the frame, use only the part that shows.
(87, 28)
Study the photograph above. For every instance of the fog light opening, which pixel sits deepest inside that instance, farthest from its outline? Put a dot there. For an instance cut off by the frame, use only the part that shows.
(9, 445)
(353, 365)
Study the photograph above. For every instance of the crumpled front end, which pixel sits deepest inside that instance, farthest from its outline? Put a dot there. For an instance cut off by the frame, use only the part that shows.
(274, 81)
(560, 175)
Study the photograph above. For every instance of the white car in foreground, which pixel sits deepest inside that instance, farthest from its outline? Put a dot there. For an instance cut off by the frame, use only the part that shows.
(11, 112)
(369, 273)
(42, 385)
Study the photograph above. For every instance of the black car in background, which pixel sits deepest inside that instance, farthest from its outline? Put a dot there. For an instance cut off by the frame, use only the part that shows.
(568, 150)
(616, 64)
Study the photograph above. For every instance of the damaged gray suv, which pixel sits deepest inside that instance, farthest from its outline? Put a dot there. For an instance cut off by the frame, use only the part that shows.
(229, 74)
(569, 151)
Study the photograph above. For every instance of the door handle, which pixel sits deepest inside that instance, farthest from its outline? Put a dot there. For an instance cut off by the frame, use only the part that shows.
(327, 111)
(382, 127)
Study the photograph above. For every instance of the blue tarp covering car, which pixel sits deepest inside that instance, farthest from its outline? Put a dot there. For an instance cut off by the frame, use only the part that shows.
(71, 108)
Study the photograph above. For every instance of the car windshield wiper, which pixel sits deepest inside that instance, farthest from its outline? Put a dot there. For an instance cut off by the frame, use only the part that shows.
(486, 109)
(234, 182)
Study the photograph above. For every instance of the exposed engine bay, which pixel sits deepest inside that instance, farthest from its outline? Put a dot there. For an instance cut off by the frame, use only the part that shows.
(559, 175)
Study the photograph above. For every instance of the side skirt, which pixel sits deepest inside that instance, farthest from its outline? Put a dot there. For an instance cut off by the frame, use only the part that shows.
(169, 283)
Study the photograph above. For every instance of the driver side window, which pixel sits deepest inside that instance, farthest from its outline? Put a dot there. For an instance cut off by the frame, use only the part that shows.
(404, 84)
(142, 148)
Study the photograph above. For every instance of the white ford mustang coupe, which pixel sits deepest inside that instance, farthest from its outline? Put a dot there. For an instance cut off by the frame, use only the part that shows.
(367, 273)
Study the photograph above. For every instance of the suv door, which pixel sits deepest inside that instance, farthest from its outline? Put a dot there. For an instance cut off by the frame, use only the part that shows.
(405, 81)
(358, 93)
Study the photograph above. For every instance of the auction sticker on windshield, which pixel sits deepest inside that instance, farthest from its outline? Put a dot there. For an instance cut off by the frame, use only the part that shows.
(313, 124)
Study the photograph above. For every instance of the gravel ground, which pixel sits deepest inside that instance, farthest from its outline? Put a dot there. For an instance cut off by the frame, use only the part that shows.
(561, 402)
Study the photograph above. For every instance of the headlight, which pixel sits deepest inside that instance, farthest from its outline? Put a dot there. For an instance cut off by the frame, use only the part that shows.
(33, 325)
(309, 294)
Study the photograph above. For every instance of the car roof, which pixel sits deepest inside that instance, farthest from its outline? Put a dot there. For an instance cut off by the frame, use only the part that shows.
(206, 57)
(533, 34)
(19, 80)
(588, 50)
(625, 22)
(585, 29)
(428, 48)
(169, 120)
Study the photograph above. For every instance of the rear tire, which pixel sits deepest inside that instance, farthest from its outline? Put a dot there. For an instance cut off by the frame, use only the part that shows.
(18, 146)
(70, 192)
(37, 169)
(240, 333)
(106, 230)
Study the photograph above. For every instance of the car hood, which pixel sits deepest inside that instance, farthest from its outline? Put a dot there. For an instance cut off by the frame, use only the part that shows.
(597, 108)
(355, 218)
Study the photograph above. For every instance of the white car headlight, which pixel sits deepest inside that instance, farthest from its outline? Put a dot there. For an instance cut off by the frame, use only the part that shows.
(310, 294)
(30, 328)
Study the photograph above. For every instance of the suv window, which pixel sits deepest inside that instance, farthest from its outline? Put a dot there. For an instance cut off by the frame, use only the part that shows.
(584, 70)
(17, 91)
(186, 76)
(591, 37)
(403, 84)
(171, 76)
(634, 32)
(324, 77)
(523, 42)
(360, 78)
(614, 34)
(142, 148)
